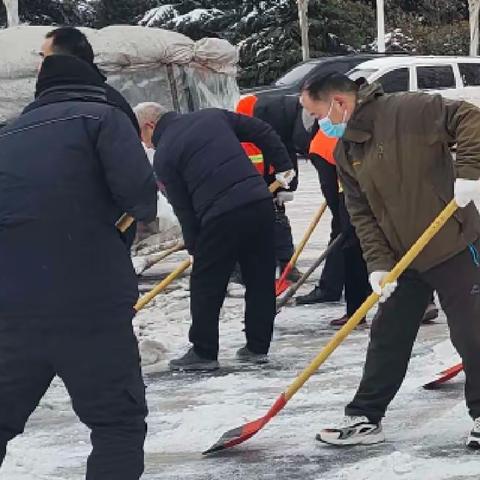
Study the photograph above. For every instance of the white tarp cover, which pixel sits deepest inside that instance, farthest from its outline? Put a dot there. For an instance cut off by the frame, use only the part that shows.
(130, 55)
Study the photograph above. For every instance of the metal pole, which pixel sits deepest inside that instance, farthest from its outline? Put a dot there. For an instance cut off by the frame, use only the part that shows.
(474, 10)
(303, 20)
(381, 25)
(12, 12)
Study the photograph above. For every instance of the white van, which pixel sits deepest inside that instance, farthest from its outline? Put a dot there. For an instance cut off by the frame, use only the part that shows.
(457, 78)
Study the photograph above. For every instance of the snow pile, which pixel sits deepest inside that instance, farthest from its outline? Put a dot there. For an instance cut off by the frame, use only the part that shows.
(196, 15)
(395, 41)
(404, 466)
(157, 16)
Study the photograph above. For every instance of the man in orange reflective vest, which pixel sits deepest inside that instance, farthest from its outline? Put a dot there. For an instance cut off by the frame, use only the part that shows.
(345, 266)
(284, 115)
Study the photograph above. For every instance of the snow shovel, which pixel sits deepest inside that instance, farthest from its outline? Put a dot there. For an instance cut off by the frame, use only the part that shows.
(248, 430)
(124, 222)
(444, 377)
(282, 283)
(148, 297)
(294, 288)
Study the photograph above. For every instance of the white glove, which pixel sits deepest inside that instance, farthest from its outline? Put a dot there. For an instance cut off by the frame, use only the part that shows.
(466, 191)
(376, 279)
(285, 178)
(283, 197)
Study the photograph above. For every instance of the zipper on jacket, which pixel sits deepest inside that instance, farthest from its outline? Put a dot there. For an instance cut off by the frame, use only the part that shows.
(475, 254)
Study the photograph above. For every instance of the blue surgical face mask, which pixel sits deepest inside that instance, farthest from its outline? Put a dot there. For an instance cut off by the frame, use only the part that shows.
(334, 130)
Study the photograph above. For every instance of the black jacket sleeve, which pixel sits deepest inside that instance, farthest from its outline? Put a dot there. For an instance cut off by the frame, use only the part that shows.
(256, 131)
(177, 195)
(127, 170)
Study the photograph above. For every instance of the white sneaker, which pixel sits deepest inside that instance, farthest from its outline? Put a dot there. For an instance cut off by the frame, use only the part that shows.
(473, 440)
(353, 431)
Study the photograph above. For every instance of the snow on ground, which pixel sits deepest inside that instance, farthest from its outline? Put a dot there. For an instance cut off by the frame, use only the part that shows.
(188, 413)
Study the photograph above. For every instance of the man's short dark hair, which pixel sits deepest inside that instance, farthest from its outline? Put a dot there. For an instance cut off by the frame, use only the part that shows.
(319, 86)
(71, 41)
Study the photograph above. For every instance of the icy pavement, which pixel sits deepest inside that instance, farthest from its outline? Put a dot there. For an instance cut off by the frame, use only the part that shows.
(425, 429)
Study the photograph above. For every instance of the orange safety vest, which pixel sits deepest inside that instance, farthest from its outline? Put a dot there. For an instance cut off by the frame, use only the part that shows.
(324, 146)
(246, 106)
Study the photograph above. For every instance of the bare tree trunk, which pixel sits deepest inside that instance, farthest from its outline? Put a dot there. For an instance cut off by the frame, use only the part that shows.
(12, 12)
(303, 18)
(381, 26)
(474, 11)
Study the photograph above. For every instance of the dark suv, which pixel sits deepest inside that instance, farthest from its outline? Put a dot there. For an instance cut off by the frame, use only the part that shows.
(291, 82)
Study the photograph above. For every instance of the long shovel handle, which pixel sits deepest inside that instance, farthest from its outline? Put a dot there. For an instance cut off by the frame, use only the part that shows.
(294, 288)
(124, 222)
(401, 266)
(303, 242)
(161, 256)
(273, 187)
(148, 297)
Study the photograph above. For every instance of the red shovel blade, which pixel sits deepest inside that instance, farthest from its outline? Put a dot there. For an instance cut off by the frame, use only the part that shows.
(281, 285)
(445, 376)
(241, 434)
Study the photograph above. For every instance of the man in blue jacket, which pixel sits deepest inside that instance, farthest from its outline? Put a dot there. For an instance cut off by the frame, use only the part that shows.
(227, 216)
(70, 165)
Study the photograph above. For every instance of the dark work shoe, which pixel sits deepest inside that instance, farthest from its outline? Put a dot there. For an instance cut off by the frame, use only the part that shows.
(191, 361)
(245, 355)
(317, 295)
(431, 313)
(340, 322)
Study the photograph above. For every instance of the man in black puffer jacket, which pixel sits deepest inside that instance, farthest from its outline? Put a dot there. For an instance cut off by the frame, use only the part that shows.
(71, 41)
(226, 213)
(70, 165)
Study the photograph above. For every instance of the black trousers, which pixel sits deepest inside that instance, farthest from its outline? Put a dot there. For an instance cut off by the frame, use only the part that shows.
(284, 248)
(332, 279)
(396, 325)
(345, 266)
(245, 235)
(97, 358)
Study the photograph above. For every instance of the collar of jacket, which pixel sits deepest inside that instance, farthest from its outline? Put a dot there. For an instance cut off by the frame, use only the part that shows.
(162, 125)
(61, 70)
(69, 93)
(360, 126)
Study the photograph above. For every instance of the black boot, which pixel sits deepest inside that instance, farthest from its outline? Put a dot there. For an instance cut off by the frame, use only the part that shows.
(191, 361)
(245, 355)
(317, 295)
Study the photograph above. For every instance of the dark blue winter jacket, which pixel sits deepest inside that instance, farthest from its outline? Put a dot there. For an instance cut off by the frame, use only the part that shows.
(70, 165)
(204, 168)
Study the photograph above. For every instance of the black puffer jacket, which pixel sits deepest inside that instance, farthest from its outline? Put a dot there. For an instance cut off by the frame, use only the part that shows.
(70, 165)
(204, 168)
(284, 115)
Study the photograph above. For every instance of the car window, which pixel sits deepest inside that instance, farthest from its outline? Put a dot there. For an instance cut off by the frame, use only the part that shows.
(396, 81)
(435, 77)
(296, 74)
(470, 73)
(361, 72)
